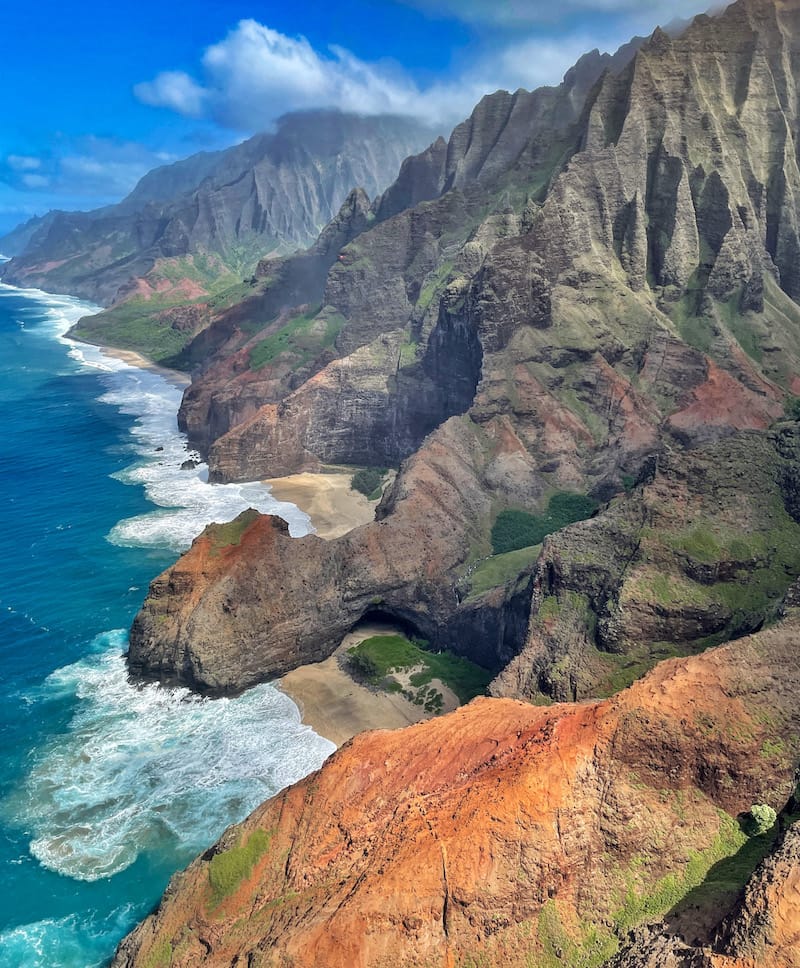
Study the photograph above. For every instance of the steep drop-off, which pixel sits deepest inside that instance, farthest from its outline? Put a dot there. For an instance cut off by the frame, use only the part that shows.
(588, 292)
(270, 194)
(504, 834)
(599, 300)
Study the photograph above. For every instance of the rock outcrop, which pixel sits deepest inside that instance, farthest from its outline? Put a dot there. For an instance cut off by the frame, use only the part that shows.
(579, 304)
(234, 611)
(762, 932)
(506, 834)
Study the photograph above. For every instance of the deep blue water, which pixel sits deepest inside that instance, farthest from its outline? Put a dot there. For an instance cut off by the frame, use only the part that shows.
(105, 789)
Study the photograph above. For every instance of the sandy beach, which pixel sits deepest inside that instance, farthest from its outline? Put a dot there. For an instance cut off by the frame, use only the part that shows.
(338, 708)
(175, 377)
(333, 506)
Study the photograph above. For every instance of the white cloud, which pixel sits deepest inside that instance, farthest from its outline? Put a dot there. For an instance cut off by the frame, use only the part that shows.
(35, 181)
(257, 74)
(23, 162)
(517, 13)
(91, 170)
(105, 167)
(175, 90)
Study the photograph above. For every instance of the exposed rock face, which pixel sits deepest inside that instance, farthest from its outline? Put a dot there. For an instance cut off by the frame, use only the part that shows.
(273, 193)
(763, 932)
(580, 299)
(660, 187)
(505, 834)
(648, 573)
(225, 618)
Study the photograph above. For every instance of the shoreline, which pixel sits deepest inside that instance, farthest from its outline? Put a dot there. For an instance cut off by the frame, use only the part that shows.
(132, 358)
(337, 707)
(327, 498)
(330, 701)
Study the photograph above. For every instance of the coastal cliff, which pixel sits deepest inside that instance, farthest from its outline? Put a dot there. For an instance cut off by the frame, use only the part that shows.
(574, 330)
(598, 300)
(529, 835)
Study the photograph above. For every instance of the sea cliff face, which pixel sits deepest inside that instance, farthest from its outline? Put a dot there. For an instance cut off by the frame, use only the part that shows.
(597, 299)
(511, 835)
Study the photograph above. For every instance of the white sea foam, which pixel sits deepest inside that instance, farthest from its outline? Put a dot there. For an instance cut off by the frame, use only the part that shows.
(186, 500)
(143, 768)
(69, 942)
(149, 769)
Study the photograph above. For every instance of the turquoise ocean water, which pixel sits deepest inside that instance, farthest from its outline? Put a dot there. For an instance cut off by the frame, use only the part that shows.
(105, 789)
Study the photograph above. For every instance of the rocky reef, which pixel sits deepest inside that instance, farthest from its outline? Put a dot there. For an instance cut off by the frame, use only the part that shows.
(529, 835)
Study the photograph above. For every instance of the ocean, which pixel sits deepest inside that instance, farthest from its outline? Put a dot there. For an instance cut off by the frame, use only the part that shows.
(106, 789)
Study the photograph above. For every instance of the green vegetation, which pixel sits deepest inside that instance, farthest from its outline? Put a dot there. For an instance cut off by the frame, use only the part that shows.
(791, 408)
(408, 353)
(761, 819)
(501, 569)
(160, 955)
(377, 658)
(747, 329)
(228, 869)
(434, 281)
(640, 903)
(227, 535)
(369, 482)
(137, 323)
(299, 336)
(711, 881)
(514, 529)
(559, 949)
(134, 325)
(762, 565)
(773, 749)
(625, 669)
(726, 879)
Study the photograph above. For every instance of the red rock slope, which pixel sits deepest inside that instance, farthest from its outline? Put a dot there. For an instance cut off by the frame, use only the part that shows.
(503, 834)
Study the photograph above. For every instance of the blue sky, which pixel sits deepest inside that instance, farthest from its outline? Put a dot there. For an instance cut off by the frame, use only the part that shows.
(96, 93)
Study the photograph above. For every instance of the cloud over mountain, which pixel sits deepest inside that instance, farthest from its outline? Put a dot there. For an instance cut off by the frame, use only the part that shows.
(257, 74)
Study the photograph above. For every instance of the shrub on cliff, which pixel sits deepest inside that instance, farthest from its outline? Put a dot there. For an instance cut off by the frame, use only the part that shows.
(514, 529)
(368, 482)
(792, 408)
(760, 819)
(363, 665)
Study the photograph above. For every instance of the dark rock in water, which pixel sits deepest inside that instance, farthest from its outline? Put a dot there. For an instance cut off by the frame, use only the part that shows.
(159, 450)
(189, 465)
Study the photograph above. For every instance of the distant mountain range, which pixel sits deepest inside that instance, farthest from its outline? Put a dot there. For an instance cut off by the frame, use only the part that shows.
(214, 215)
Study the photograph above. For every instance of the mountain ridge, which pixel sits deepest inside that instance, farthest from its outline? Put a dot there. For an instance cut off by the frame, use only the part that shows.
(586, 300)
(616, 312)
(236, 204)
